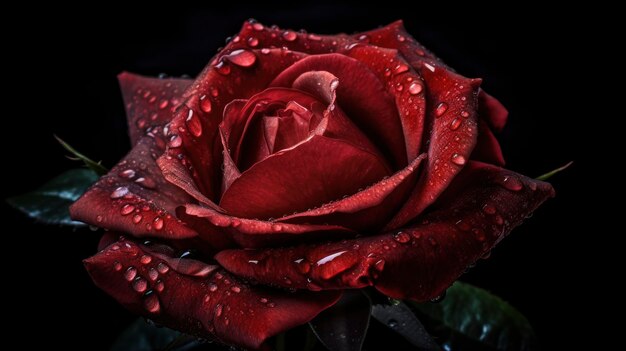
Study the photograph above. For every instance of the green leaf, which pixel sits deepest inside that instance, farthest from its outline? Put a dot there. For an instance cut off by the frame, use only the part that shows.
(548, 175)
(144, 336)
(399, 318)
(343, 326)
(50, 203)
(91, 164)
(472, 316)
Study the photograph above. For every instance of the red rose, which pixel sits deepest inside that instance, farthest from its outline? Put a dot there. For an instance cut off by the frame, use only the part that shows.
(308, 164)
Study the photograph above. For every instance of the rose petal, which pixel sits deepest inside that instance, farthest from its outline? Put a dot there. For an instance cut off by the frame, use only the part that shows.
(135, 198)
(405, 84)
(452, 117)
(487, 147)
(367, 210)
(149, 102)
(194, 135)
(492, 111)
(361, 96)
(419, 262)
(199, 299)
(252, 233)
(302, 177)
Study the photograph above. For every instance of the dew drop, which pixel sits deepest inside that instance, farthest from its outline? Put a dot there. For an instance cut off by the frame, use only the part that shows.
(379, 265)
(141, 123)
(480, 234)
(420, 52)
(119, 192)
(130, 273)
(277, 227)
(127, 209)
(465, 114)
(151, 302)
(289, 35)
(222, 68)
(314, 37)
(153, 274)
(145, 182)
(271, 305)
(455, 124)
(415, 88)
(235, 289)
(364, 38)
(511, 183)
(387, 72)
(458, 159)
(175, 141)
(212, 287)
(162, 268)
(257, 26)
(401, 38)
(489, 209)
(117, 266)
(218, 310)
(140, 284)
(163, 104)
(439, 298)
(242, 58)
(253, 42)
(265, 51)
(402, 237)
(159, 286)
(399, 87)
(158, 223)
(137, 218)
(145, 259)
(303, 265)
(392, 323)
(498, 220)
(128, 174)
(99, 218)
(441, 109)
(401, 68)
(263, 300)
(205, 105)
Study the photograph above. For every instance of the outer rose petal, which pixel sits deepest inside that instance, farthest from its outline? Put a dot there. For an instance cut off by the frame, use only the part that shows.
(453, 132)
(135, 198)
(302, 177)
(199, 299)
(252, 233)
(419, 262)
(149, 102)
(487, 147)
(492, 111)
(193, 136)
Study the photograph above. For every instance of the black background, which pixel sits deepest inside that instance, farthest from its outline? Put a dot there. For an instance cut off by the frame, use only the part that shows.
(67, 85)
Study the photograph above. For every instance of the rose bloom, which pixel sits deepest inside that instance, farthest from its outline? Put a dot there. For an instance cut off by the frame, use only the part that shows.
(296, 166)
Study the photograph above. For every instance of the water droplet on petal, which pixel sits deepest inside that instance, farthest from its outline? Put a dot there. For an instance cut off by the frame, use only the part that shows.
(119, 192)
(212, 287)
(277, 227)
(218, 310)
(162, 268)
(511, 183)
(303, 265)
(163, 104)
(159, 286)
(127, 209)
(458, 159)
(242, 58)
(99, 218)
(314, 37)
(387, 72)
(401, 68)
(222, 67)
(175, 141)
(253, 42)
(158, 223)
(402, 237)
(364, 38)
(489, 209)
(439, 298)
(455, 124)
(465, 114)
(235, 289)
(130, 273)
(151, 302)
(263, 300)
(265, 51)
(399, 87)
(441, 109)
(379, 265)
(153, 274)
(128, 174)
(141, 123)
(140, 284)
(289, 35)
(401, 38)
(146, 182)
(137, 218)
(145, 259)
(392, 323)
(117, 266)
(415, 88)
(257, 26)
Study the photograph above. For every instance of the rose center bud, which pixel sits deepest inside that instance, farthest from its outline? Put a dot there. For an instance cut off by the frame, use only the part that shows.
(290, 149)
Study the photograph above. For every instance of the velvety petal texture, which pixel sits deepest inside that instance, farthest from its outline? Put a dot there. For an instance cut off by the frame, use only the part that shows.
(296, 166)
